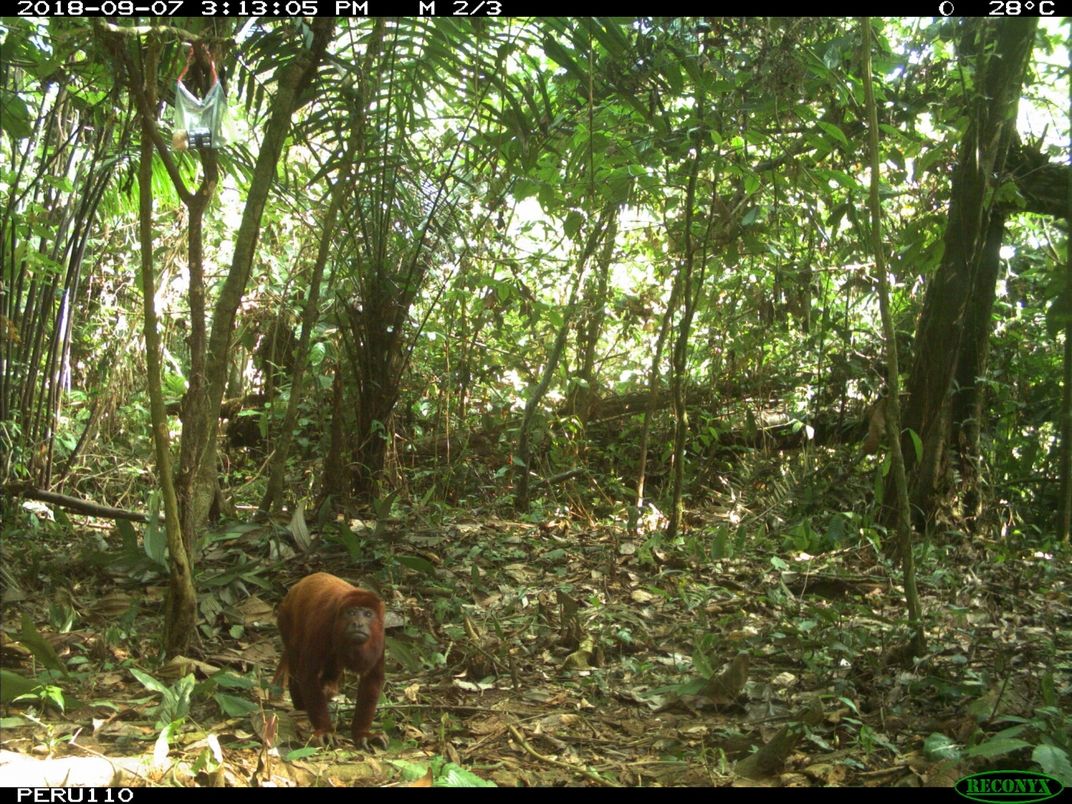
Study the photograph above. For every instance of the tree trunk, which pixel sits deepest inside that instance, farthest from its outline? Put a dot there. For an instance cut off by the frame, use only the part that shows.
(968, 393)
(376, 328)
(1002, 53)
(192, 413)
(680, 358)
(197, 486)
(38, 308)
(274, 493)
(637, 509)
(523, 459)
(181, 605)
(336, 483)
(1064, 515)
(594, 309)
(916, 644)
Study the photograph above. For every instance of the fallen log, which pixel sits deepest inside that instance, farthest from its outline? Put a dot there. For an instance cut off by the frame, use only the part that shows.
(75, 504)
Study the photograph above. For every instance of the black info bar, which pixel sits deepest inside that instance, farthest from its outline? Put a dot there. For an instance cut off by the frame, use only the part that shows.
(484, 8)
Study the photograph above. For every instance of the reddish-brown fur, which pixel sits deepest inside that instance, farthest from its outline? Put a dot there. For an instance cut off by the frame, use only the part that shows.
(329, 626)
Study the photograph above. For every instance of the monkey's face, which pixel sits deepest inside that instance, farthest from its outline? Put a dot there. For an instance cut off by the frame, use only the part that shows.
(357, 623)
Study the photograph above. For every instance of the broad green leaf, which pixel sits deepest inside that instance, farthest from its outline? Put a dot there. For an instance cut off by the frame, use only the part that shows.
(233, 706)
(12, 685)
(937, 746)
(834, 132)
(456, 776)
(417, 563)
(996, 747)
(572, 224)
(560, 54)
(149, 682)
(14, 116)
(231, 681)
(917, 443)
(41, 649)
(1054, 762)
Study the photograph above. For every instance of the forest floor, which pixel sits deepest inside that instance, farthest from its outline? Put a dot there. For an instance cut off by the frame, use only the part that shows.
(553, 651)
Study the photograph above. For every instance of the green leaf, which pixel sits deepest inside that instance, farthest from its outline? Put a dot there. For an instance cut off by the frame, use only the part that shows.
(720, 545)
(31, 638)
(12, 685)
(350, 542)
(833, 131)
(417, 563)
(229, 680)
(938, 746)
(616, 187)
(835, 52)
(559, 54)
(457, 776)
(572, 224)
(49, 693)
(233, 706)
(525, 188)
(14, 116)
(149, 682)
(402, 653)
(381, 506)
(917, 442)
(129, 535)
(410, 771)
(996, 747)
(610, 36)
(1053, 761)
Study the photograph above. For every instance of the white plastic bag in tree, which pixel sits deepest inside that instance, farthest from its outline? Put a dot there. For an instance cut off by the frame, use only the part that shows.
(198, 121)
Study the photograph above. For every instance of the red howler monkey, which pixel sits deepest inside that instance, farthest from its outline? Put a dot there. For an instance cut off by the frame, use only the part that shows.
(329, 626)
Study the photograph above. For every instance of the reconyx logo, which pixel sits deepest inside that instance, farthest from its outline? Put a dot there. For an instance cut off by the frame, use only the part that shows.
(1021, 787)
